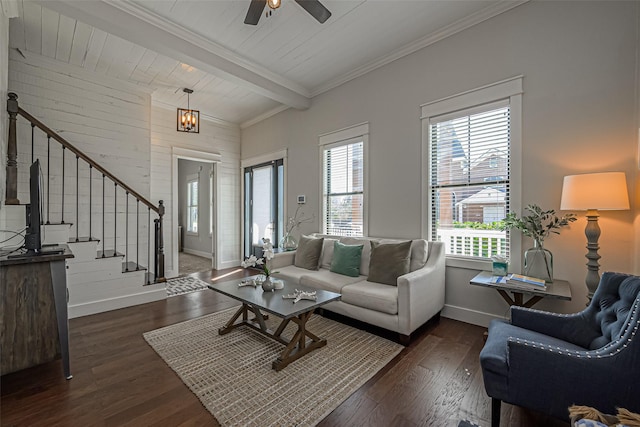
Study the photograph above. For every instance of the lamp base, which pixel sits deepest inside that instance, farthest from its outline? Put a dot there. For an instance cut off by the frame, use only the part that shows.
(592, 231)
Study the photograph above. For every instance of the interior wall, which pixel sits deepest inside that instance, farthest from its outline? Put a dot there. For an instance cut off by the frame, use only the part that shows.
(579, 115)
(197, 243)
(4, 85)
(213, 138)
(105, 119)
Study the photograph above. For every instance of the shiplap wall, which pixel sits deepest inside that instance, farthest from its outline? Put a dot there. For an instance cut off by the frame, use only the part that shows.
(106, 120)
(213, 138)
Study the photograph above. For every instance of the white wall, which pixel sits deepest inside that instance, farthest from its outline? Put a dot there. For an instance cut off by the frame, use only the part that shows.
(579, 115)
(4, 84)
(213, 138)
(105, 119)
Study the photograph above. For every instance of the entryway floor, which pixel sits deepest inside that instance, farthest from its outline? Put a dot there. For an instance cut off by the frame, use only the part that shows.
(188, 263)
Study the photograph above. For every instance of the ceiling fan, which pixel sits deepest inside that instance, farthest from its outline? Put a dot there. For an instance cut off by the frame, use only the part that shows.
(313, 7)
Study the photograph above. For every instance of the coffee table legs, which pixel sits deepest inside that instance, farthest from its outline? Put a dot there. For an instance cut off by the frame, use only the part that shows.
(301, 343)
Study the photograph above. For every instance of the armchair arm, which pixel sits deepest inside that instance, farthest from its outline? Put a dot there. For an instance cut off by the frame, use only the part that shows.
(421, 292)
(282, 259)
(567, 327)
(550, 379)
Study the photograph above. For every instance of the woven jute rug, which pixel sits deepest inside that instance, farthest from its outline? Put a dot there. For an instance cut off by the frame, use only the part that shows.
(231, 374)
(184, 285)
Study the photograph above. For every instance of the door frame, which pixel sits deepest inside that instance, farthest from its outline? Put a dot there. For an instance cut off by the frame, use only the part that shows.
(199, 156)
(254, 161)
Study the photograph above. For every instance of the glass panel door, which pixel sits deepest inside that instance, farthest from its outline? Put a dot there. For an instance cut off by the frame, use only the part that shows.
(264, 198)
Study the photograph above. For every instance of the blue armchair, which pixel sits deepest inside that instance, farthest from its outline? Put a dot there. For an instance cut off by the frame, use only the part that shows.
(548, 362)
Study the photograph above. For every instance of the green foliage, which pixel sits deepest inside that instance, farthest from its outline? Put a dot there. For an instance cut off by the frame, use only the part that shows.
(539, 224)
(496, 225)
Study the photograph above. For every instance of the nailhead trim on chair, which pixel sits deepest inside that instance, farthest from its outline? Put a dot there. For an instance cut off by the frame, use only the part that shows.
(599, 353)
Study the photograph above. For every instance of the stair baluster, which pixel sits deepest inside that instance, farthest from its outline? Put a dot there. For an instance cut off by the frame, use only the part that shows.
(90, 199)
(137, 234)
(115, 219)
(63, 151)
(48, 174)
(33, 127)
(126, 232)
(77, 199)
(148, 246)
(104, 236)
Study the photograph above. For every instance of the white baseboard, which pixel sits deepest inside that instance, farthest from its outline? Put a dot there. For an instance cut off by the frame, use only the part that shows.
(85, 309)
(229, 264)
(467, 315)
(195, 252)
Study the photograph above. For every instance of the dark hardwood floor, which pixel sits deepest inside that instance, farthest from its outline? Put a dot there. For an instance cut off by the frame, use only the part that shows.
(118, 380)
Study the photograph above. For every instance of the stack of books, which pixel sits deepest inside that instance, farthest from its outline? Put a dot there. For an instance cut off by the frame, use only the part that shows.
(520, 281)
(526, 282)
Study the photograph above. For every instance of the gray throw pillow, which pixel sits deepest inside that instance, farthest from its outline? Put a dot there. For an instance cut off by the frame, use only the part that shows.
(388, 262)
(308, 253)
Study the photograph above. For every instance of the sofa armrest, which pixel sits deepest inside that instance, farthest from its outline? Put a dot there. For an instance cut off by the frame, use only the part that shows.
(421, 292)
(282, 259)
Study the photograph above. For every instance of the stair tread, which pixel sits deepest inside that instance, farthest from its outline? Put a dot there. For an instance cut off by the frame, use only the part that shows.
(130, 267)
(109, 253)
(58, 223)
(149, 279)
(83, 239)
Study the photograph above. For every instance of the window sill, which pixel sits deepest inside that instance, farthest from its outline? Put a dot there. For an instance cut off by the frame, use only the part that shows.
(469, 263)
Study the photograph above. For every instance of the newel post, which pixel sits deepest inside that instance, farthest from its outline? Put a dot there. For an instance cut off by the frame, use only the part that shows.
(12, 152)
(159, 247)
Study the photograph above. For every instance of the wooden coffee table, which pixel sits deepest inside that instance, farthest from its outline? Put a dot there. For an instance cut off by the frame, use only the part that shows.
(255, 300)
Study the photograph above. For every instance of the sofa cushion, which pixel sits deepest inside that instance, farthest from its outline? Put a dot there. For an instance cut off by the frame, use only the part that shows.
(290, 273)
(327, 253)
(325, 279)
(388, 262)
(374, 296)
(346, 259)
(366, 251)
(419, 252)
(308, 253)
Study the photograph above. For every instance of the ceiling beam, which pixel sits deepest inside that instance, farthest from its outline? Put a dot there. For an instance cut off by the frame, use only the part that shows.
(140, 26)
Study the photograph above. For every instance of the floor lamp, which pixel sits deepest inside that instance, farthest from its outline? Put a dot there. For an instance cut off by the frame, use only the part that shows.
(592, 192)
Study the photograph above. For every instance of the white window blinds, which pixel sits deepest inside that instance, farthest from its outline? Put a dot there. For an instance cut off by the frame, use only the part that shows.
(469, 179)
(343, 194)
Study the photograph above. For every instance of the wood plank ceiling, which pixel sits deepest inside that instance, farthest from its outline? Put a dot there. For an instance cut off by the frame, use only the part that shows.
(290, 51)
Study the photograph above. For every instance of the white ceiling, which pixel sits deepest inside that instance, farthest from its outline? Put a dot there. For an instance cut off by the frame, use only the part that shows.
(239, 72)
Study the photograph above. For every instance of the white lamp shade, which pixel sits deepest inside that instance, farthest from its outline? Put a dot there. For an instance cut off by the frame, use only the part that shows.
(601, 191)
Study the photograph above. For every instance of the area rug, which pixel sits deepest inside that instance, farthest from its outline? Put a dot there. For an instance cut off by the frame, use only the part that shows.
(184, 285)
(232, 376)
(189, 263)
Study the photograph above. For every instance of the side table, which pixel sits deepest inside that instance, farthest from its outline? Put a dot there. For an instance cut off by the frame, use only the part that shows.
(559, 289)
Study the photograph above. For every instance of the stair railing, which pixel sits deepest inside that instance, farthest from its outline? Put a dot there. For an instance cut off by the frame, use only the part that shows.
(14, 111)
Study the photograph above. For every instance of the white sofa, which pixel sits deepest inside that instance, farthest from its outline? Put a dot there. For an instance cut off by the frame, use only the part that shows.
(418, 296)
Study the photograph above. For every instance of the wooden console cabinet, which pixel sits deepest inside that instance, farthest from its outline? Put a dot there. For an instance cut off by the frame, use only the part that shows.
(34, 326)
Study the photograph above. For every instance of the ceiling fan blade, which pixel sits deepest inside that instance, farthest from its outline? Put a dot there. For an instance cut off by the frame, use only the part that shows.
(315, 9)
(255, 11)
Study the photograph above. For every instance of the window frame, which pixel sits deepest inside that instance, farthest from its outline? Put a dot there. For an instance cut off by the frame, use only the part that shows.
(346, 136)
(511, 91)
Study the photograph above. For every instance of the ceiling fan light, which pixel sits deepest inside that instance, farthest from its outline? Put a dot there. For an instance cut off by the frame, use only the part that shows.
(273, 4)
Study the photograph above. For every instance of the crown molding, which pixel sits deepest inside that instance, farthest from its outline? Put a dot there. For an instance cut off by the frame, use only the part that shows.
(203, 116)
(449, 30)
(41, 61)
(140, 26)
(263, 116)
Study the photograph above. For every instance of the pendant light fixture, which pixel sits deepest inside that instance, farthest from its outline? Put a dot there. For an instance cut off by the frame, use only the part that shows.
(188, 119)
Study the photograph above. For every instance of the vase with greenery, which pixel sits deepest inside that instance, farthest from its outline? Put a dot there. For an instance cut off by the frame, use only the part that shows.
(262, 264)
(538, 261)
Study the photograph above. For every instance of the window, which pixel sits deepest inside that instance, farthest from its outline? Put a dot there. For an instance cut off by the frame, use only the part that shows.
(192, 206)
(344, 181)
(469, 165)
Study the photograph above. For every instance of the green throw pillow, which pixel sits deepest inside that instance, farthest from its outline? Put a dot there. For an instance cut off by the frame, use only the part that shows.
(388, 262)
(308, 253)
(346, 259)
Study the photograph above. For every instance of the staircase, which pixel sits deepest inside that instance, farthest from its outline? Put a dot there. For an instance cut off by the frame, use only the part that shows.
(119, 260)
